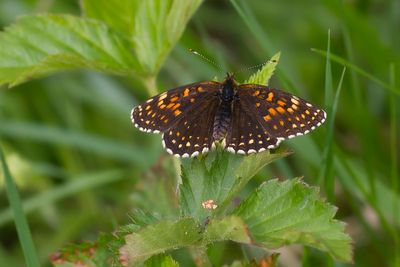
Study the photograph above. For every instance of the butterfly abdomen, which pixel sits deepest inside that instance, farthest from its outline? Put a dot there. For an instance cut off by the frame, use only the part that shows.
(222, 120)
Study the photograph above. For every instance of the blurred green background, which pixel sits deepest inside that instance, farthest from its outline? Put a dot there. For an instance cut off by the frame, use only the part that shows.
(81, 166)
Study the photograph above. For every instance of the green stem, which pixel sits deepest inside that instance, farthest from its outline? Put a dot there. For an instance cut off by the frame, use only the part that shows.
(151, 85)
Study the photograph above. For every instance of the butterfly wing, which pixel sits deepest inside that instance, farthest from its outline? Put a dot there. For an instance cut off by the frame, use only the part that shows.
(192, 134)
(162, 111)
(281, 114)
(246, 135)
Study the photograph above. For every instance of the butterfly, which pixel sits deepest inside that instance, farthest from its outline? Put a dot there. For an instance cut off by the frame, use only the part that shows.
(247, 118)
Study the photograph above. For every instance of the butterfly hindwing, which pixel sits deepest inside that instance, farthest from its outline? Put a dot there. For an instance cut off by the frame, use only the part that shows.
(282, 114)
(192, 135)
(246, 134)
(159, 113)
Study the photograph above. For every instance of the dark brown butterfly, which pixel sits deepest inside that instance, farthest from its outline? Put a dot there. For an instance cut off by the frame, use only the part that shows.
(249, 118)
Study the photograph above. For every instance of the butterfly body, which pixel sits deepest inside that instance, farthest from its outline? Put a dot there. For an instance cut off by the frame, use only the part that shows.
(249, 118)
(223, 116)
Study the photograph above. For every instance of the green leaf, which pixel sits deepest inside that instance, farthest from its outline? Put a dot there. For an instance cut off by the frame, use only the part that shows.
(263, 75)
(161, 261)
(219, 177)
(158, 26)
(158, 238)
(39, 45)
(168, 235)
(101, 253)
(119, 15)
(24, 234)
(282, 213)
(228, 228)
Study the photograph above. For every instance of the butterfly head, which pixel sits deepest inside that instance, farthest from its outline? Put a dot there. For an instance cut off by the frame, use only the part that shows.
(230, 79)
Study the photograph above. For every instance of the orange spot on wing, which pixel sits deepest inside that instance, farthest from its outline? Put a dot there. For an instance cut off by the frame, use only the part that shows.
(162, 106)
(177, 105)
(258, 104)
(148, 107)
(177, 112)
(280, 110)
(186, 92)
(267, 118)
(200, 89)
(256, 93)
(307, 112)
(270, 96)
(173, 99)
(281, 103)
(290, 110)
(192, 100)
(272, 111)
(281, 122)
(169, 106)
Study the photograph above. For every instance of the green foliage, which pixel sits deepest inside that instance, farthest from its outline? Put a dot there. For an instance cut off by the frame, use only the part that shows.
(78, 184)
(135, 41)
(263, 75)
(21, 223)
(218, 177)
(161, 261)
(38, 45)
(159, 238)
(290, 212)
(93, 254)
(158, 26)
(119, 15)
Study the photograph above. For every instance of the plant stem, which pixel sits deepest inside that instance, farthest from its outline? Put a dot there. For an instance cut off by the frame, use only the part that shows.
(151, 85)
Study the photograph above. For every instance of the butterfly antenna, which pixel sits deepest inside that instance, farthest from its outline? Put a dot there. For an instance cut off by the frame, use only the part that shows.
(256, 66)
(212, 62)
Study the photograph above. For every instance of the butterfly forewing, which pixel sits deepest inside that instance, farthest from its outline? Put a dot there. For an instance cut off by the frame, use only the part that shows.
(246, 134)
(282, 114)
(192, 135)
(161, 112)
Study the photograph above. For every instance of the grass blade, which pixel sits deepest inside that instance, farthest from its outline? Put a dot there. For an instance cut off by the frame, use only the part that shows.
(394, 156)
(327, 164)
(357, 69)
(328, 76)
(325, 171)
(21, 223)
